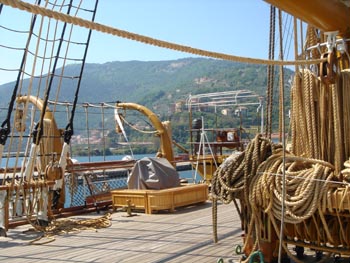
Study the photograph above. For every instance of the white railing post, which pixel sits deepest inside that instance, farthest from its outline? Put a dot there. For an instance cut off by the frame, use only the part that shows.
(3, 194)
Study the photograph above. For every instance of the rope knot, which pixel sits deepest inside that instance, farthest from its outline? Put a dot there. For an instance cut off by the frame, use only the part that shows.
(4, 132)
(68, 133)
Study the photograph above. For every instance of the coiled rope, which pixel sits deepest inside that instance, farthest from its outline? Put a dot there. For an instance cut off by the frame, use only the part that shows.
(307, 182)
(145, 39)
(66, 226)
(255, 177)
(232, 179)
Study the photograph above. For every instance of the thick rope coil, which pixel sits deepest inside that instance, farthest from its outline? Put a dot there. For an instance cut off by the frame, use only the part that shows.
(304, 191)
(255, 177)
(230, 179)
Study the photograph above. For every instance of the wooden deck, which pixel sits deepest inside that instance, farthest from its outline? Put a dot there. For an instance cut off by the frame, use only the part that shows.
(182, 236)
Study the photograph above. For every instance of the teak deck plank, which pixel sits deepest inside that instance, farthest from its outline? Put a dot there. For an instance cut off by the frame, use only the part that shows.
(182, 236)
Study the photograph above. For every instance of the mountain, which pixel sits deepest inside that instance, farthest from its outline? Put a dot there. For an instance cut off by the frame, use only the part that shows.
(153, 83)
(157, 85)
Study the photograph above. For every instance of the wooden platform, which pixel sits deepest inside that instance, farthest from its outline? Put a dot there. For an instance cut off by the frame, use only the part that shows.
(182, 236)
(338, 200)
(156, 200)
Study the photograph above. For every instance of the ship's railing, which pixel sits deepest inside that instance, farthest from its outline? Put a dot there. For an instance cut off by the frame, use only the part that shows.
(25, 201)
(87, 182)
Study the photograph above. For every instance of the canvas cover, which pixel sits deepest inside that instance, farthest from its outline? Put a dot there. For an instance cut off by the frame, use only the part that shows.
(153, 173)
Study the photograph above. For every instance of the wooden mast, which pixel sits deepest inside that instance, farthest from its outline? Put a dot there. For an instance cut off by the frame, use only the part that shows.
(326, 15)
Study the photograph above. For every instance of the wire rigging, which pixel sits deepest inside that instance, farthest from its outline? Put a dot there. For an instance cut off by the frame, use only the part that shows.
(5, 128)
(147, 40)
(69, 131)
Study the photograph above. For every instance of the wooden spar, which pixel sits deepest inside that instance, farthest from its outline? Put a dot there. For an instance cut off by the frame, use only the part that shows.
(54, 138)
(1, 152)
(38, 103)
(165, 140)
(3, 216)
(326, 15)
(83, 167)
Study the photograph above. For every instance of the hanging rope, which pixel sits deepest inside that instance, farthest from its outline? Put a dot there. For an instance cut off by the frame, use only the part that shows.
(319, 118)
(255, 177)
(270, 74)
(86, 107)
(69, 131)
(345, 91)
(39, 128)
(281, 79)
(120, 128)
(38, 133)
(144, 39)
(135, 128)
(282, 133)
(65, 57)
(103, 131)
(5, 128)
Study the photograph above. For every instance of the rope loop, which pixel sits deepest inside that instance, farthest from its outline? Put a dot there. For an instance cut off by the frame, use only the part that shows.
(68, 133)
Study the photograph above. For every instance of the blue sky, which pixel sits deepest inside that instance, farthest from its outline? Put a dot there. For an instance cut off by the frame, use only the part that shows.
(229, 26)
(238, 27)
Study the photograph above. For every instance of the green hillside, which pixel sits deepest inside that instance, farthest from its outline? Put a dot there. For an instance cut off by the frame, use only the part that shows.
(143, 82)
(157, 85)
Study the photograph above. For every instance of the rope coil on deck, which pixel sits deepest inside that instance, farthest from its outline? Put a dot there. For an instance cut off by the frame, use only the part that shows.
(255, 178)
(65, 226)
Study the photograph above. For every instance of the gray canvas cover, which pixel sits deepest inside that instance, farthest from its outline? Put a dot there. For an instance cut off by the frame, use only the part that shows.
(153, 173)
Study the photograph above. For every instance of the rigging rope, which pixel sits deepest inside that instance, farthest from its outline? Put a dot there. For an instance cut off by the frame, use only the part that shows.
(69, 131)
(270, 74)
(282, 132)
(34, 197)
(255, 176)
(317, 119)
(39, 127)
(5, 128)
(144, 39)
(103, 132)
(258, 169)
(86, 107)
(26, 172)
(37, 134)
(12, 48)
(135, 128)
